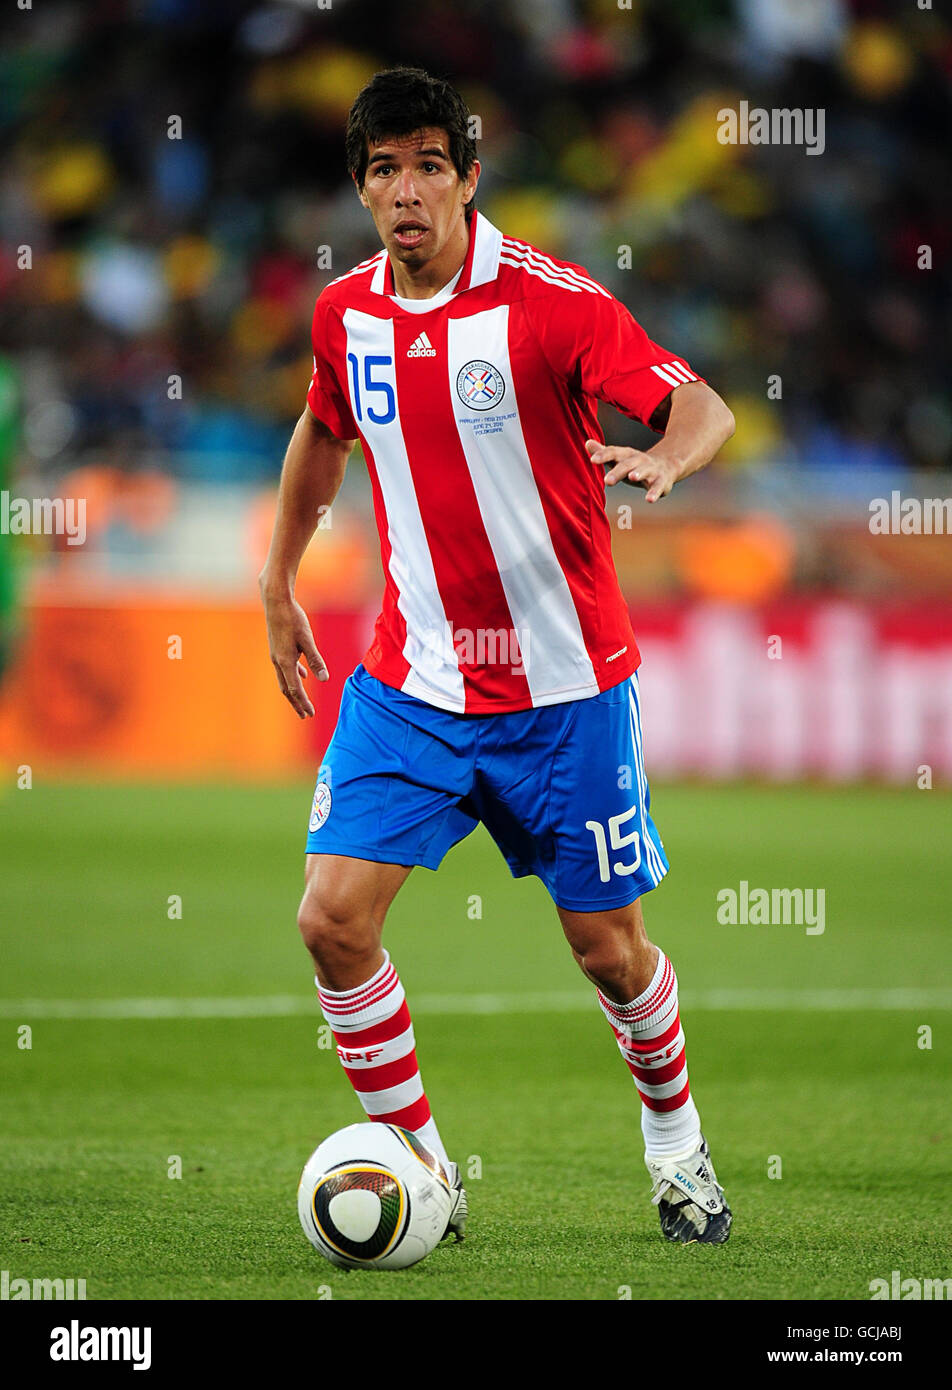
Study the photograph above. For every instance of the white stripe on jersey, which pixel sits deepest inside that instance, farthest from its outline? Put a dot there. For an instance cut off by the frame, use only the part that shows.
(540, 274)
(540, 601)
(364, 265)
(673, 373)
(653, 860)
(680, 371)
(521, 251)
(550, 277)
(434, 669)
(649, 860)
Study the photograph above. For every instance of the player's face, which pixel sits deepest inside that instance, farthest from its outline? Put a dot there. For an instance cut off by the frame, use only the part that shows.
(415, 196)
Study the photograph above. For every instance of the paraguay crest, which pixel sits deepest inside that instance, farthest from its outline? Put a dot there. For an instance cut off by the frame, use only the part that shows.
(321, 805)
(480, 386)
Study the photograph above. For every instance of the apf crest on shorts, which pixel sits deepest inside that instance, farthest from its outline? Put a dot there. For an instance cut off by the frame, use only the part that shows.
(321, 805)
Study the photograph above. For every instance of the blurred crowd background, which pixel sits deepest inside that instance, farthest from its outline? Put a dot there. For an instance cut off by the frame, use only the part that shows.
(197, 256)
(173, 197)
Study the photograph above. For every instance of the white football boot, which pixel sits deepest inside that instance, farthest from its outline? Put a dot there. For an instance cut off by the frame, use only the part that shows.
(456, 1226)
(689, 1201)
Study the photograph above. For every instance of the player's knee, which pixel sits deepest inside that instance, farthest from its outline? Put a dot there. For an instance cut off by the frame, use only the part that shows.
(603, 962)
(615, 964)
(325, 932)
(332, 930)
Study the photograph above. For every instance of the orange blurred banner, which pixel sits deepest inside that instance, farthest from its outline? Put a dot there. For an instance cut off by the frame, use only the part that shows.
(146, 686)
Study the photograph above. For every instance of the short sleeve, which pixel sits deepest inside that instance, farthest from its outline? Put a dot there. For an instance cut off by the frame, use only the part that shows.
(325, 397)
(594, 342)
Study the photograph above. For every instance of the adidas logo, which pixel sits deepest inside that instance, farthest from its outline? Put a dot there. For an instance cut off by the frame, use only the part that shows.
(421, 348)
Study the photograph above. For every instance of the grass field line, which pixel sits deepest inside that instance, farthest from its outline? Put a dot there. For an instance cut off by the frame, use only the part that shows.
(550, 1001)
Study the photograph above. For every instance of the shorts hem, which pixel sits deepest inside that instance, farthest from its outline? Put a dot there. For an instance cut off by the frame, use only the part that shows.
(376, 855)
(604, 904)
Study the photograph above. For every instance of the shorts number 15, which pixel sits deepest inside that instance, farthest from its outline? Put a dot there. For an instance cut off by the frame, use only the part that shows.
(617, 841)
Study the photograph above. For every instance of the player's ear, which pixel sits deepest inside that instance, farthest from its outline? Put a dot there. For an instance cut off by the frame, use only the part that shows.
(360, 191)
(472, 180)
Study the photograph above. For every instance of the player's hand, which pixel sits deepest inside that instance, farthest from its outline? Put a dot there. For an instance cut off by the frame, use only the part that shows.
(293, 652)
(652, 471)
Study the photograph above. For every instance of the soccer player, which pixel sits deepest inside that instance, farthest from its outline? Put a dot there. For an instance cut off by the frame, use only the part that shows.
(500, 685)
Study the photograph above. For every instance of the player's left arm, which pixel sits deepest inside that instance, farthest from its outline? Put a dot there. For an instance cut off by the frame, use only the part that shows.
(696, 423)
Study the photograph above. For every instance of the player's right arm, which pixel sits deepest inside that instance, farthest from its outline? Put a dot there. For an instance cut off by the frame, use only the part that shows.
(310, 480)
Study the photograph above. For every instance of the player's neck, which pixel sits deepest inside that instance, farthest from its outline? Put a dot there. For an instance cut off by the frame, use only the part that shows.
(428, 279)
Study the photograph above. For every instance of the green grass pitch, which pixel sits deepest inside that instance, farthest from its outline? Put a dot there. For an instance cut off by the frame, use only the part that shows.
(848, 1099)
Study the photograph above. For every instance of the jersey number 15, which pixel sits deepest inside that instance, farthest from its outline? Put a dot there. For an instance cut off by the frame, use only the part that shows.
(371, 388)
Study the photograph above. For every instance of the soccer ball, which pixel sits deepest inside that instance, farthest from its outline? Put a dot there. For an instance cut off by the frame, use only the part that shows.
(373, 1197)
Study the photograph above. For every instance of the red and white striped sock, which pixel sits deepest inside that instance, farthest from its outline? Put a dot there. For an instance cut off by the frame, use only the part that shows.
(650, 1038)
(375, 1043)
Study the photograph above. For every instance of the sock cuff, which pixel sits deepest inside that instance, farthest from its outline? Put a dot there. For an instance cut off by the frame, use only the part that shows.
(651, 1007)
(376, 999)
(347, 994)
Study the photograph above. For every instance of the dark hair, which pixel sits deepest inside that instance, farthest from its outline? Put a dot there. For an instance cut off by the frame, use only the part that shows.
(400, 101)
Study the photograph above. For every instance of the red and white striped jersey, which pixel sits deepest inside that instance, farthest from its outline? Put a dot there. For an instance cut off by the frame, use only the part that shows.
(473, 408)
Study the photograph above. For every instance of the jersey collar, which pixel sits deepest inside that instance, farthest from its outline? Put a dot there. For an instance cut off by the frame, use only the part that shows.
(479, 268)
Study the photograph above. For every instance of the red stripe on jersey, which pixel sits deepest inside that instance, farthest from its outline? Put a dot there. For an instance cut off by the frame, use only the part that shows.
(390, 630)
(383, 1077)
(463, 560)
(382, 1032)
(410, 1117)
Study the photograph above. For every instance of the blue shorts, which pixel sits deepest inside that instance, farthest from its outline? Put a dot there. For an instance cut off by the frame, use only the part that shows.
(561, 789)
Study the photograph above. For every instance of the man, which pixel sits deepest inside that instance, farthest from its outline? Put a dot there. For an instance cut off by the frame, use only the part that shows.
(500, 685)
